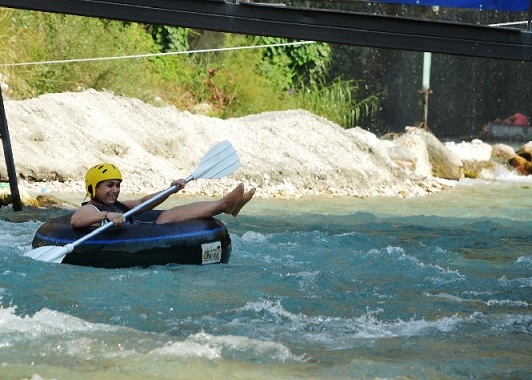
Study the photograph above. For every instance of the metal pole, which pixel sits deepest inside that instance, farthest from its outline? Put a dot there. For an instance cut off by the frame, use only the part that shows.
(8, 154)
(425, 88)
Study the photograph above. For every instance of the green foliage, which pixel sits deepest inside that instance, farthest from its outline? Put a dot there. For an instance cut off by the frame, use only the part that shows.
(229, 82)
(17, 44)
(336, 102)
(293, 64)
(49, 37)
(170, 38)
(232, 83)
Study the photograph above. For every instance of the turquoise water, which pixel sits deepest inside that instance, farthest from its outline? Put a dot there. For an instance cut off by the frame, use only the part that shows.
(436, 287)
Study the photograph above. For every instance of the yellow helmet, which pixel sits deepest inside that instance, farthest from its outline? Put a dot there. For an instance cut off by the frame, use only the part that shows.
(99, 173)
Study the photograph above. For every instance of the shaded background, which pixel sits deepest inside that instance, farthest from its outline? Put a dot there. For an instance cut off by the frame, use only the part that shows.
(466, 92)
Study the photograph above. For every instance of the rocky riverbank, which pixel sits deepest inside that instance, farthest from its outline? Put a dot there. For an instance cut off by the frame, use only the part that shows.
(57, 137)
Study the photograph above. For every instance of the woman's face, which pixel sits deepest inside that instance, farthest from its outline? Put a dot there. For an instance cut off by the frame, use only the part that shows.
(107, 191)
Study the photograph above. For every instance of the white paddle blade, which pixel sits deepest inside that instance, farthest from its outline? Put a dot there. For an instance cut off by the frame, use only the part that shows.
(219, 162)
(50, 253)
(220, 148)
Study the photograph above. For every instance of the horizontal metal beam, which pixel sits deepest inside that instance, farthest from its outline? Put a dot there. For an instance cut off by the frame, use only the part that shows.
(305, 24)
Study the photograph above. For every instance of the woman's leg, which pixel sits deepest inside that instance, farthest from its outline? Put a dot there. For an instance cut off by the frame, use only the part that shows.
(206, 209)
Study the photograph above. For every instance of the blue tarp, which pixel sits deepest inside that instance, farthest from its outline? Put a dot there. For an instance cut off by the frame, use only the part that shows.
(502, 5)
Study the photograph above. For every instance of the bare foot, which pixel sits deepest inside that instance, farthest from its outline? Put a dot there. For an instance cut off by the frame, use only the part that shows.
(233, 199)
(245, 199)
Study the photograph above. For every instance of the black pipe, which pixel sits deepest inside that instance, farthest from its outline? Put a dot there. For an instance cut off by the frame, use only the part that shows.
(8, 154)
(339, 27)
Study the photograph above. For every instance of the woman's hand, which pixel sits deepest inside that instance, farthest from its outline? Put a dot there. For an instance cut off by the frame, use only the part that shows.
(88, 215)
(116, 218)
(180, 183)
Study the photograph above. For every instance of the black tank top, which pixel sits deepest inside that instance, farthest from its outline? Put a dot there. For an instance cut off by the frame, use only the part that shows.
(115, 207)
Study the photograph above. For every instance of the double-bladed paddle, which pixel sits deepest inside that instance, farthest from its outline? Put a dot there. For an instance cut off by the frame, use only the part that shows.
(220, 161)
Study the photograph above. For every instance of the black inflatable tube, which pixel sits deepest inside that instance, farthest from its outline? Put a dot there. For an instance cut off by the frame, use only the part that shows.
(198, 241)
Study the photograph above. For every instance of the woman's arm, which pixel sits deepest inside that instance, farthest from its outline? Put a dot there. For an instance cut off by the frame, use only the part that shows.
(90, 216)
(180, 183)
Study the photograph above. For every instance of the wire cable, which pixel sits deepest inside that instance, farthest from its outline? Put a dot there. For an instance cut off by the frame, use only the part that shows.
(149, 55)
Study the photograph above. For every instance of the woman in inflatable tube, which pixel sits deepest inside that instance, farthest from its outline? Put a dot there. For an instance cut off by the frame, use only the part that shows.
(102, 183)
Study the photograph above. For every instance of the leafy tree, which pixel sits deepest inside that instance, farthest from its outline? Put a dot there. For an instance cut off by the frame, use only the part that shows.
(293, 64)
(170, 38)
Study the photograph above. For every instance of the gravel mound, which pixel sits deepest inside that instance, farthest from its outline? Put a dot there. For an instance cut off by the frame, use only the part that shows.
(57, 137)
